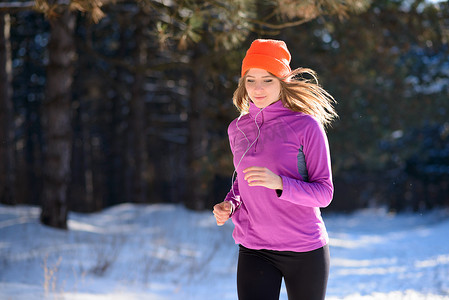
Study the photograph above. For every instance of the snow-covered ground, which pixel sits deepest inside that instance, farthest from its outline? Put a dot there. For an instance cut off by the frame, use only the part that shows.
(167, 252)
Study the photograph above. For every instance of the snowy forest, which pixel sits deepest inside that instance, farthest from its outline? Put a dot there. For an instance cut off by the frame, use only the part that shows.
(129, 101)
(109, 102)
(114, 146)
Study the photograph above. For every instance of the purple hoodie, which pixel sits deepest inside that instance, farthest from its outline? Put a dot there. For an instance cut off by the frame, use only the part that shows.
(294, 146)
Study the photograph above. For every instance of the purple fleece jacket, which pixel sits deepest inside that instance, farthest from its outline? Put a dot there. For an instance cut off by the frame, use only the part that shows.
(289, 144)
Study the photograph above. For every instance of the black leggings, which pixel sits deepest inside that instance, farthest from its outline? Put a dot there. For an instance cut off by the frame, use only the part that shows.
(260, 273)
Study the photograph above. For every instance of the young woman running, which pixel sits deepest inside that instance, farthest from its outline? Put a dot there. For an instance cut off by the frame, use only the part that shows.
(282, 161)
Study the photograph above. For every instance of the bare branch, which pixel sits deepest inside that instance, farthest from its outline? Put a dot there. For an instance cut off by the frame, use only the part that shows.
(280, 26)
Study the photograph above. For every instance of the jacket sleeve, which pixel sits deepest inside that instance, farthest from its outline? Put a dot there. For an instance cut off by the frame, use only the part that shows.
(234, 197)
(318, 190)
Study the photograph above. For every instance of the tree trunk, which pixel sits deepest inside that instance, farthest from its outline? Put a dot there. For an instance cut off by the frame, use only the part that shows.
(197, 183)
(81, 198)
(117, 143)
(57, 120)
(7, 166)
(137, 159)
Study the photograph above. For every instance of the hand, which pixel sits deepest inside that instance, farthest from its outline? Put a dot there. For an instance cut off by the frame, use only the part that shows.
(260, 176)
(222, 211)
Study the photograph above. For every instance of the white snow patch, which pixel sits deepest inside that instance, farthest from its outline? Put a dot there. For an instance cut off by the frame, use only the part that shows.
(165, 252)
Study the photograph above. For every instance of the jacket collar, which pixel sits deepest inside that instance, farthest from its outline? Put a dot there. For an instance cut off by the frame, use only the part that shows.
(269, 112)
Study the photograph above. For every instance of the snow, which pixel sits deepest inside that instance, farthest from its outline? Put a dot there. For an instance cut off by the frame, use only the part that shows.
(165, 251)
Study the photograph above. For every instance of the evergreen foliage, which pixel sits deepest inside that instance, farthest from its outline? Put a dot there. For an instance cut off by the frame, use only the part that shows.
(152, 86)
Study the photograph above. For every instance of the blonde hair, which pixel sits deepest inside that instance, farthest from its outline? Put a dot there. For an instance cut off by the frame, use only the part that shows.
(298, 94)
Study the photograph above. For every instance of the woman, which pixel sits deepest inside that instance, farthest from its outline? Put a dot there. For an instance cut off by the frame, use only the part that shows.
(282, 161)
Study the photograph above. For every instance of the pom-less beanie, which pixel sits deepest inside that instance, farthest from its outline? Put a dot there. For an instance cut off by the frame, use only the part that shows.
(270, 55)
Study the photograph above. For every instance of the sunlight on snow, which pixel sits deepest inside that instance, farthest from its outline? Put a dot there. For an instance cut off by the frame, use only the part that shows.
(79, 226)
(344, 262)
(166, 252)
(429, 263)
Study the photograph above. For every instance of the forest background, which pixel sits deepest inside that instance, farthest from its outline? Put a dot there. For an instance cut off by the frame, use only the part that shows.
(105, 102)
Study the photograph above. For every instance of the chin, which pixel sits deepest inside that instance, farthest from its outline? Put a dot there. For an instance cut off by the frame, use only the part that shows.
(259, 104)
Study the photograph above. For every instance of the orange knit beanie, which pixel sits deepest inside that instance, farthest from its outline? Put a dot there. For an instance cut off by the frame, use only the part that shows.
(270, 55)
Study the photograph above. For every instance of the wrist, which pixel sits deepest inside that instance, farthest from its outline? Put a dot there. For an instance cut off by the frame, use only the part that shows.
(281, 184)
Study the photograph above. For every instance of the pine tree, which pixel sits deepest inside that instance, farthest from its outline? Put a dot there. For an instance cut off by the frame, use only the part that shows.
(7, 169)
(57, 106)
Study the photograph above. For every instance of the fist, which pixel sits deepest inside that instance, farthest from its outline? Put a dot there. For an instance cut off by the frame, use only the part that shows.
(222, 211)
(260, 176)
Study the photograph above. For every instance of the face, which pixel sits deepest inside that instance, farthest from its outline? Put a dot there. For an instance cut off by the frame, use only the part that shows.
(262, 87)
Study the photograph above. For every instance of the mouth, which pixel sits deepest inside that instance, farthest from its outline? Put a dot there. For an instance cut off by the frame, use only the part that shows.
(260, 98)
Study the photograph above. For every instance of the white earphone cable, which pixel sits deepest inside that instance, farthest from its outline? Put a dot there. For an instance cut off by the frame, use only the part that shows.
(247, 149)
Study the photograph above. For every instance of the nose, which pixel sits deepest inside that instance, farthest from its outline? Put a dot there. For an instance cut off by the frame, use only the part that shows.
(258, 86)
